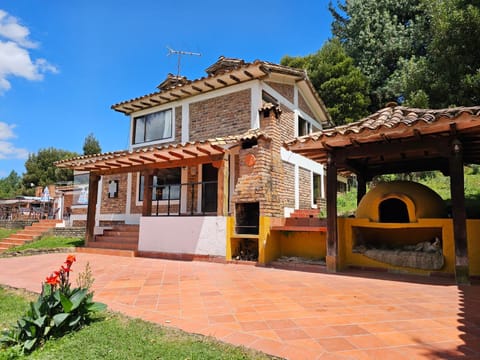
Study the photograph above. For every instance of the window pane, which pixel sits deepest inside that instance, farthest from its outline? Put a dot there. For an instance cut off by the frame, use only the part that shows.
(139, 130)
(154, 126)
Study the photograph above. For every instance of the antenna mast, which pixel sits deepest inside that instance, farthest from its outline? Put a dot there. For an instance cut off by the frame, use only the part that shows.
(179, 53)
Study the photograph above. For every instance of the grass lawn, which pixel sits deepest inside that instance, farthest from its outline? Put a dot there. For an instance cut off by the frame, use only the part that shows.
(50, 242)
(113, 336)
(6, 232)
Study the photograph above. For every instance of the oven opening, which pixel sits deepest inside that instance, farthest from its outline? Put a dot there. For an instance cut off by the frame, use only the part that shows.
(393, 211)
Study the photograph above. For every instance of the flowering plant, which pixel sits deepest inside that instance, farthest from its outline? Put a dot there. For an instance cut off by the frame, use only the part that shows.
(58, 310)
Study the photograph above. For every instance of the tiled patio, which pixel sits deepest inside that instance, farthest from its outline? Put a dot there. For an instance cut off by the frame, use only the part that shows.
(291, 314)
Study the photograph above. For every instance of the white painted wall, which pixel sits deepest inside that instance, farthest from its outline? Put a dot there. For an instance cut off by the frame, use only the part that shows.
(200, 235)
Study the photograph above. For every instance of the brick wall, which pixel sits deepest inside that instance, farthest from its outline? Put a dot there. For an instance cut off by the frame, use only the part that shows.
(114, 205)
(305, 195)
(287, 124)
(178, 124)
(285, 90)
(220, 116)
(302, 104)
(288, 190)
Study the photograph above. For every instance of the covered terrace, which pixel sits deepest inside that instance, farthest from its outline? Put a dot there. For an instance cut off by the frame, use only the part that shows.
(393, 140)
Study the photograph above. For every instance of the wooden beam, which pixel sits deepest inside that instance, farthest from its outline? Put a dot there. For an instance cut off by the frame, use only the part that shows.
(189, 152)
(361, 187)
(185, 92)
(332, 260)
(209, 85)
(196, 88)
(203, 150)
(459, 215)
(249, 74)
(234, 78)
(161, 156)
(147, 192)
(176, 154)
(93, 181)
(223, 82)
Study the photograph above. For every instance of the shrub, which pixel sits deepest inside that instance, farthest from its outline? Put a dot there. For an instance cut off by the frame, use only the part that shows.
(58, 310)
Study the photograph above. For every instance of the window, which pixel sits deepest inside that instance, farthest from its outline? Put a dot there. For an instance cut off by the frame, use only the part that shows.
(166, 183)
(151, 127)
(304, 127)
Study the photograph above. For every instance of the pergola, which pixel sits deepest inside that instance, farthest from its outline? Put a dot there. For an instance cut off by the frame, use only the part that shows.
(397, 139)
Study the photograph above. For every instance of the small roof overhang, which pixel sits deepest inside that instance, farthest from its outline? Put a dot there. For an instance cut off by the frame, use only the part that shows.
(396, 139)
(154, 157)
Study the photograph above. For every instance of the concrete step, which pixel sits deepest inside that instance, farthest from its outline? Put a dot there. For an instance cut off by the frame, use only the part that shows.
(23, 236)
(112, 245)
(117, 239)
(14, 242)
(101, 251)
(126, 234)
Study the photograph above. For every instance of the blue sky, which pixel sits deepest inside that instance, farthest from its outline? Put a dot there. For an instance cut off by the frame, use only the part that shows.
(64, 63)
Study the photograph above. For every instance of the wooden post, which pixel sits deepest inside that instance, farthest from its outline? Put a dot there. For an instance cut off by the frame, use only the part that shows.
(361, 187)
(459, 213)
(332, 232)
(222, 186)
(92, 207)
(147, 192)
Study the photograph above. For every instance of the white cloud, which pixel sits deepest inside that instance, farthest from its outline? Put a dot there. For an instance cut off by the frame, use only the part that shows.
(6, 131)
(12, 30)
(7, 148)
(15, 57)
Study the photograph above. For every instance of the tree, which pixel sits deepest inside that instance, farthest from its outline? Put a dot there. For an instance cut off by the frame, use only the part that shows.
(340, 84)
(91, 146)
(454, 52)
(10, 186)
(41, 171)
(379, 35)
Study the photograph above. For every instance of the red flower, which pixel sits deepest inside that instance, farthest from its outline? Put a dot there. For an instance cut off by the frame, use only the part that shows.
(70, 260)
(52, 280)
(65, 269)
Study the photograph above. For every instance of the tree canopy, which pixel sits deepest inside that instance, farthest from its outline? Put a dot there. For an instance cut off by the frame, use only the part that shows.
(10, 186)
(91, 146)
(42, 172)
(340, 84)
(425, 53)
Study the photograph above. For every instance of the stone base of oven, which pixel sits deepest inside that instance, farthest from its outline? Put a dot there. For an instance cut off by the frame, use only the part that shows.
(410, 259)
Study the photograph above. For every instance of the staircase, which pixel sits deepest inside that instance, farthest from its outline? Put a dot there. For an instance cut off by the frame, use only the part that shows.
(120, 240)
(303, 220)
(28, 234)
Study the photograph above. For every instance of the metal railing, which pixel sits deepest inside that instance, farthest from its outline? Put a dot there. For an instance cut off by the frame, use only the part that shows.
(170, 197)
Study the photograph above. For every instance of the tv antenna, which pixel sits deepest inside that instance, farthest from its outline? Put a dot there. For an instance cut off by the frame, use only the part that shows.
(179, 53)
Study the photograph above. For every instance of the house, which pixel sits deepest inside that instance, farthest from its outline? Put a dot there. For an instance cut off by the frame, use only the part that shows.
(208, 153)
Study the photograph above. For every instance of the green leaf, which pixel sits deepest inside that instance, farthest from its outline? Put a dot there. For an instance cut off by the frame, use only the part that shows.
(60, 318)
(40, 322)
(66, 303)
(78, 297)
(96, 306)
(75, 321)
(29, 344)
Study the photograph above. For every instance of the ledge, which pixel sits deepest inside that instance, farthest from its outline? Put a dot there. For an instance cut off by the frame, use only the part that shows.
(299, 228)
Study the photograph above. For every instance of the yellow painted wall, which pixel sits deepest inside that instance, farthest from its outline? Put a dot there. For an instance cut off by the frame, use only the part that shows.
(473, 239)
(351, 227)
(311, 244)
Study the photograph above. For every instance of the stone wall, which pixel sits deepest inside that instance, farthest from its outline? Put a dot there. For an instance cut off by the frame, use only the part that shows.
(16, 224)
(69, 231)
(220, 116)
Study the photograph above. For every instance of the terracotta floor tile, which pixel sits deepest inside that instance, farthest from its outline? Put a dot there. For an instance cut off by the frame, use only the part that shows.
(287, 313)
(335, 344)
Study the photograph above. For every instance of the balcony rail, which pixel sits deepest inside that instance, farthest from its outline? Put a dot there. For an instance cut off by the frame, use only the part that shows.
(169, 197)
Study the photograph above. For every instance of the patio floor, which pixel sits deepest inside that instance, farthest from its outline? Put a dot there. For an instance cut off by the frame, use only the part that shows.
(290, 314)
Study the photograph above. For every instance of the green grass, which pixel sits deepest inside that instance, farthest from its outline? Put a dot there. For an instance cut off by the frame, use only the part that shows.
(50, 242)
(113, 336)
(347, 205)
(6, 232)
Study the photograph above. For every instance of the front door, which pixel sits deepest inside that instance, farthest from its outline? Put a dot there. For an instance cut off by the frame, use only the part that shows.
(209, 188)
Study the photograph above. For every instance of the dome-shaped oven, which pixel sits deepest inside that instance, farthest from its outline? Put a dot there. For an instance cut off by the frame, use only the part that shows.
(401, 202)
